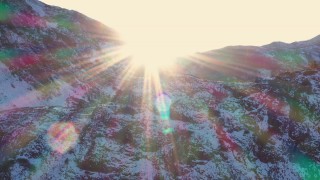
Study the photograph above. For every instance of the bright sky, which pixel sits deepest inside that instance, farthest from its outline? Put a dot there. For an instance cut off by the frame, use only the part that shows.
(200, 25)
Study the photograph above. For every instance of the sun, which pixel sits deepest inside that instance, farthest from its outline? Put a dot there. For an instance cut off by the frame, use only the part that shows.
(151, 50)
(151, 56)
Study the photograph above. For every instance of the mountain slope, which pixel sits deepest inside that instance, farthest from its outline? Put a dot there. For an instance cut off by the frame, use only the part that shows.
(44, 49)
(66, 112)
(259, 130)
(246, 63)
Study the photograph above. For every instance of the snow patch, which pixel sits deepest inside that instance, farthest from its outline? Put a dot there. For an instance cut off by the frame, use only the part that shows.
(37, 7)
(52, 25)
(15, 92)
(15, 38)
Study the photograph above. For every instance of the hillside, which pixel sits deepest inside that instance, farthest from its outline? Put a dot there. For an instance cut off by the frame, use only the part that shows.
(67, 112)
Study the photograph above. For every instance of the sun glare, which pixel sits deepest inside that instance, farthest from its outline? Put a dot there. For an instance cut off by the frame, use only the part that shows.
(150, 56)
(151, 49)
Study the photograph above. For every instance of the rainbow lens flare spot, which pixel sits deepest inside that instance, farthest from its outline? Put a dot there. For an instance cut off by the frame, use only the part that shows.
(5, 12)
(163, 103)
(167, 131)
(62, 136)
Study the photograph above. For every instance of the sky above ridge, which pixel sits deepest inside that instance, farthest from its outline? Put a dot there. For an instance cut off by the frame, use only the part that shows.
(193, 26)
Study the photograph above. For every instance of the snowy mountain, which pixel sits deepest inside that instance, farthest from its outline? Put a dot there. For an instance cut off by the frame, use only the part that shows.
(246, 63)
(67, 113)
(43, 51)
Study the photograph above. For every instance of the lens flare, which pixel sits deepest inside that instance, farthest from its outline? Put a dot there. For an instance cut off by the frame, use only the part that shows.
(5, 12)
(62, 137)
(163, 103)
(305, 166)
(167, 131)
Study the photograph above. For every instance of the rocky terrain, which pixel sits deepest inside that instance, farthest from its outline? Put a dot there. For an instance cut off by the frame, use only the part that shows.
(257, 130)
(66, 112)
(44, 52)
(246, 63)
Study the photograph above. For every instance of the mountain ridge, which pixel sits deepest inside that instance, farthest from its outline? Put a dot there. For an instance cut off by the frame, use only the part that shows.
(68, 110)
